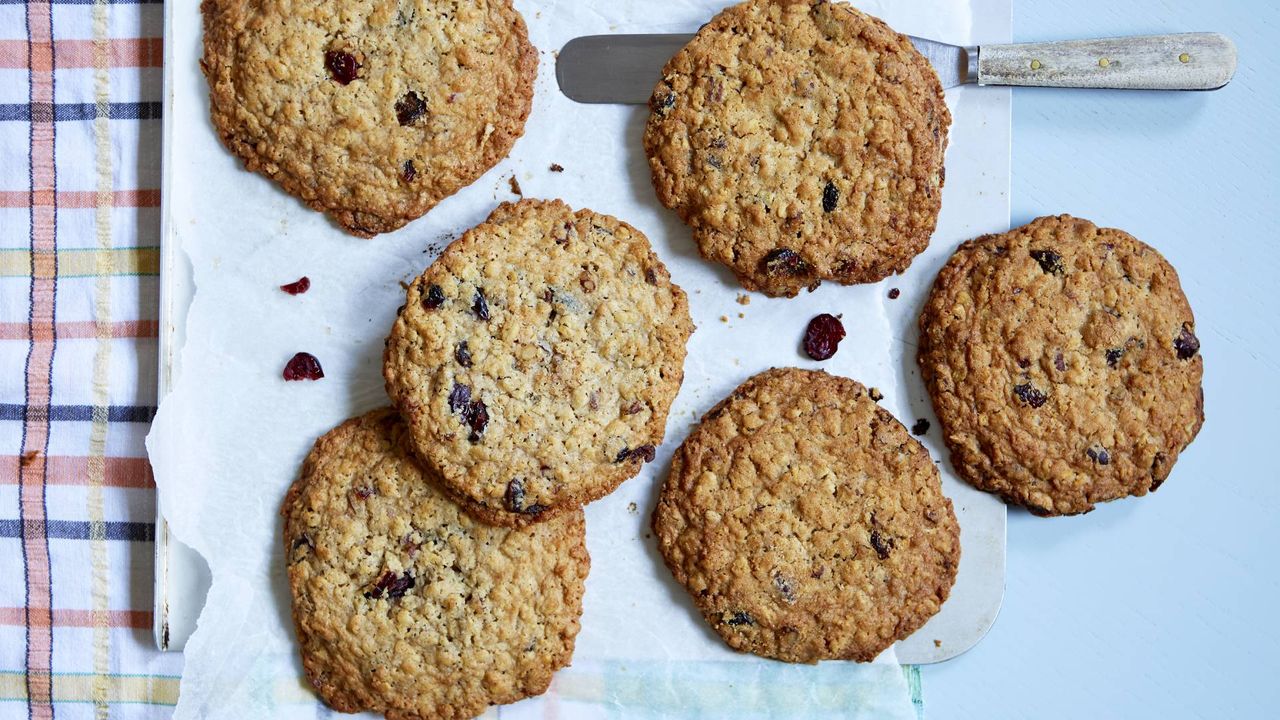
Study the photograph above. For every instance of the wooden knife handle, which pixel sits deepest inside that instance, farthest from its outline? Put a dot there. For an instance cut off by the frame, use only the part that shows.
(1190, 61)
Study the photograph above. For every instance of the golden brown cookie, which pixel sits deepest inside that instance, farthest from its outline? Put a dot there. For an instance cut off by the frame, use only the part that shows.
(806, 523)
(369, 110)
(536, 359)
(1063, 363)
(802, 141)
(406, 606)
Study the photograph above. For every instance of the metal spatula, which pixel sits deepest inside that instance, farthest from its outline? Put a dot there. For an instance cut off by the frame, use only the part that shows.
(625, 68)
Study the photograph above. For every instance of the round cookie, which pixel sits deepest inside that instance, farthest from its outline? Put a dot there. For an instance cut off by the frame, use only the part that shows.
(406, 606)
(802, 141)
(1063, 364)
(536, 359)
(371, 111)
(806, 522)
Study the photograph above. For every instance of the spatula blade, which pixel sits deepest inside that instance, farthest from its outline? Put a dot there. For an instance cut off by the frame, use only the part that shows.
(625, 68)
(615, 68)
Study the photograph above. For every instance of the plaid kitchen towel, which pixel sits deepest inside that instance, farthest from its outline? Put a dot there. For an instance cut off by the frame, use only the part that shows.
(80, 91)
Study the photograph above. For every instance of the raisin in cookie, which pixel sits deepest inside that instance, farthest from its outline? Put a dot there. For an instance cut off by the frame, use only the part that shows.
(806, 523)
(802, 141)
(536, 359)
(373, 110)
(1063, 363)
(406, 606)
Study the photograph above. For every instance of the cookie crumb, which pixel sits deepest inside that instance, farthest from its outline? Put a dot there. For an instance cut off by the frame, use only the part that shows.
(29, 457)
(744, 299)
(742, 316)
(875, 394)
(557, 167)
(515, 186)
(632, 508)
(894, 293)
(724, 318)
(921, 427)
(937, 643)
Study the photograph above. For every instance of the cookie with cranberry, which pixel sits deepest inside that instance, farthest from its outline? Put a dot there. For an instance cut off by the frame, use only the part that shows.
(1063, 363)
(801, 140)
(405, 605)
(805, 521)
(536, 359)
(371, 111)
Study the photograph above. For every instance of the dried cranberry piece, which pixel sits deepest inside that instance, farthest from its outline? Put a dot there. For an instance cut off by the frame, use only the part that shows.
(557, 167)
(921, 427)
(785, 260)
(460, 398)
(894, 293)
(434, 298)
(1186, 344)
(645, 453)
(1060, 362)
(1028, 394)
(477, 418)
(1099, 455)
(462, 354)
(390, 586)
(830, 197)
(302, 285)
(881, 544)
(409, 171)
(480, 305)
(1050, 261)
(514, 496)
(822, 337)
(660, 104)
(303, 366)
(410, 108)
(342, 66)
(784, 587)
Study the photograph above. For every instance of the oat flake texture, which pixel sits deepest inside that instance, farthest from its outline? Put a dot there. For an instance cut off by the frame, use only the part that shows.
(806, 523)
(1063, 364)
(574, 341)
(406, 606)
(372, 111)
(802, 141)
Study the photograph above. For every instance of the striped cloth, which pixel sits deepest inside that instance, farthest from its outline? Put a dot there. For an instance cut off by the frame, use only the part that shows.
(80, 90)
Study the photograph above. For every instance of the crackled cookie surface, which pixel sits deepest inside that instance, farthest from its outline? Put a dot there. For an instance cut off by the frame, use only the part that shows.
(369, 110)
(405, 605)
(802, 141)
(806, 523)
(536, 360)
(1063, 363)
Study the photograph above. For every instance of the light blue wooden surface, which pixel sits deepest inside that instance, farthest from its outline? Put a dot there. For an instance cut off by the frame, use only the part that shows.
(1168, 606)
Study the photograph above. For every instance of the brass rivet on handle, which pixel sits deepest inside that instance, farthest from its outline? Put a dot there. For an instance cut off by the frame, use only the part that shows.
(1035, 64)
(1184, 58)
(1104, 62)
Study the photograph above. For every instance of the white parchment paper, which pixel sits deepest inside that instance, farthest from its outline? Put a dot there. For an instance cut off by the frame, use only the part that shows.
(230, 437)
